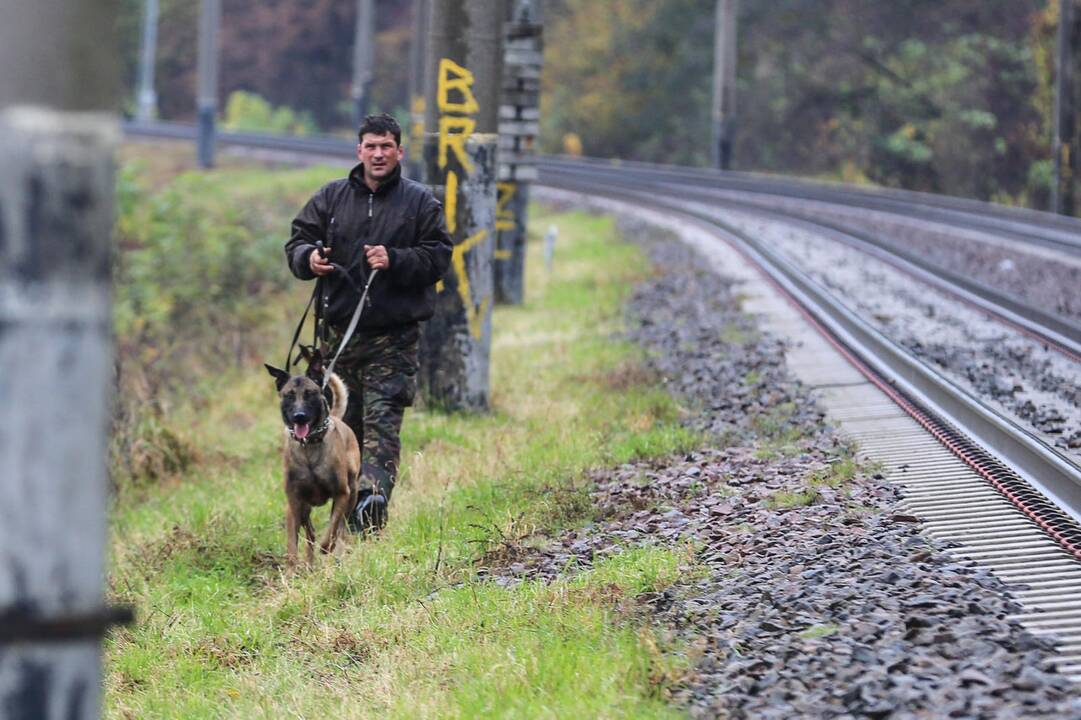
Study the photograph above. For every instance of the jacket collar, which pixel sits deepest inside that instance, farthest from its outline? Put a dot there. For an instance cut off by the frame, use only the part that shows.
(356, 179)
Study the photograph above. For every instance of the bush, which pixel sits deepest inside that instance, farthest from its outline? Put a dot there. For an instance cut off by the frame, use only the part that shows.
(197, 274)
(249, 112)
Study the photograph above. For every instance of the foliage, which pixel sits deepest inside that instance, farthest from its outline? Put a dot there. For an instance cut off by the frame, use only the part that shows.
(630, 78)
(198, 263)
(294, 54)
(953, 97)
(247, 111)
(943, 97)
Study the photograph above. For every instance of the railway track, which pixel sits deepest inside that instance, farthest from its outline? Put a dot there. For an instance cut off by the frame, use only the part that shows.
(1003, 496)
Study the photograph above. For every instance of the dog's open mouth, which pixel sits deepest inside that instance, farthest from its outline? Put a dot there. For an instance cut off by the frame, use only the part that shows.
(301, 430)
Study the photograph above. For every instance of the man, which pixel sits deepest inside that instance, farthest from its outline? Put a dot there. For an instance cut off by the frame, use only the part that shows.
(374, 220)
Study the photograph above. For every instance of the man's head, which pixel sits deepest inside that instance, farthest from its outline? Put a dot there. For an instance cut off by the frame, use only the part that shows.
(380, 148)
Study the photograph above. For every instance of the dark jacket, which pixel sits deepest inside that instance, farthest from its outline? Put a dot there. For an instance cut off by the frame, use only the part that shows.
(404, 216)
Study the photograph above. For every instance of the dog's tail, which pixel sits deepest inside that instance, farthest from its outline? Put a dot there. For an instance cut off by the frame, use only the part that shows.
(339, 394)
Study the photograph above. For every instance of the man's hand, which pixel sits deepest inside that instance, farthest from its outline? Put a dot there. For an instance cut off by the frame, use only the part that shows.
(318, 264)
(377, 257)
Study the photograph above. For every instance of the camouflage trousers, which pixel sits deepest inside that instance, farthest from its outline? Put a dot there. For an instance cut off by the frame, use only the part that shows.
(380, 369)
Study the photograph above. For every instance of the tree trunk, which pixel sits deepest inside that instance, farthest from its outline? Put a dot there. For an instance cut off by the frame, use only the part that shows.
(460, 157)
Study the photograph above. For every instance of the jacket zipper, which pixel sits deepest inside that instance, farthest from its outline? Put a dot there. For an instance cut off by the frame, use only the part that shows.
(368, 234)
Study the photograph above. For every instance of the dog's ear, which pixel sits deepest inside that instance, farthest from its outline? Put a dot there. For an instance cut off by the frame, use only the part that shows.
(315, 372)
(316, 364)
(280, 376)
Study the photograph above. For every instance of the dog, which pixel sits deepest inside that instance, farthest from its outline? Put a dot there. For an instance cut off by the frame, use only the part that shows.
(321, 454)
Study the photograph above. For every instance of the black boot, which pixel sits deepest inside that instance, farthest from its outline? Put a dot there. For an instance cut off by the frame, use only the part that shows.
(370, 514)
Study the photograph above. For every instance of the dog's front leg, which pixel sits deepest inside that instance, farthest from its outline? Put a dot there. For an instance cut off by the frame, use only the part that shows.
(291, 530)
(337, 515)
(309, 532)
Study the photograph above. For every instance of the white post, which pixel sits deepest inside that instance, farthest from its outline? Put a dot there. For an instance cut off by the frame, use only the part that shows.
(207, 94)
(147, 99)
(363, 60)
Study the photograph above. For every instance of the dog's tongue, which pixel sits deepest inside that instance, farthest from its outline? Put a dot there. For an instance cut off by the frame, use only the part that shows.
(301, 431)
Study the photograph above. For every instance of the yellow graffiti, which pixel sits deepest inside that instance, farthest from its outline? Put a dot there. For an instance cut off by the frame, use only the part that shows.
(473, 312)
(502, 254)
(504, 216)
(451, 195)
(462, 82)
(453, 132)
(416, 130)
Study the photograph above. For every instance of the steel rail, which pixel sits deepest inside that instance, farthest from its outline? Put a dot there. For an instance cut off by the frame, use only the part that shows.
(1052, 474)
(1056, 331)
(1030, 226)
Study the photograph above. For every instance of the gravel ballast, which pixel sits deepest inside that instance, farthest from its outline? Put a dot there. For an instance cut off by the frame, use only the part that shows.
(813, 594)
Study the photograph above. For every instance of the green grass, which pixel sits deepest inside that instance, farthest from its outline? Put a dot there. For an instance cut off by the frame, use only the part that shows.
(785, 499)
(818, 631)
(404, 626)
(778, 435)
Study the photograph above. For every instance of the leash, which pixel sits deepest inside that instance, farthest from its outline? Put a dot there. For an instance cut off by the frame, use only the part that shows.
(344, 272)
(300, 326)
(349, 331)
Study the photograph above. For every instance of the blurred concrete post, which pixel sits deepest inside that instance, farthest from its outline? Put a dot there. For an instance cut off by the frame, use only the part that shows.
(723, 117)
(363, 60)
(1064, 150)
(418, 90)
(58, 132)
(147, 99)
(465, 60)
(550, 247)
(207, 96)
(519, 125)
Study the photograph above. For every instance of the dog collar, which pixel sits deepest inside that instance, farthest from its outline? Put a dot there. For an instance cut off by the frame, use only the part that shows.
(315, 436)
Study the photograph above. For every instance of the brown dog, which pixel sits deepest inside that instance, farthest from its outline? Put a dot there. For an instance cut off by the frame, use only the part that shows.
(322, 457)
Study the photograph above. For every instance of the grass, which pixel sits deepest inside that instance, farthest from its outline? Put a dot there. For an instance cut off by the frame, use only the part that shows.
(778, 435)
(404, 626)
(785, 499)
(819, 631)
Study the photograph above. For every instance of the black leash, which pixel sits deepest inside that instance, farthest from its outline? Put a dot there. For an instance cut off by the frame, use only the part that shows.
(316, 293)
(352, 327)
(300, 326)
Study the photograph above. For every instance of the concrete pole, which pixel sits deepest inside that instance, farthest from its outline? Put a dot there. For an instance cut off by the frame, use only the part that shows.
(519, 125)
(465, 60)
(1062, 195)
(207, 96)
(723, 117)
(147, 100)
(58, 131)
(363, 60)
(418, 89)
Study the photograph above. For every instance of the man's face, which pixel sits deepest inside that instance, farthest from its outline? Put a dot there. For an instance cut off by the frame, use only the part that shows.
(379, 154)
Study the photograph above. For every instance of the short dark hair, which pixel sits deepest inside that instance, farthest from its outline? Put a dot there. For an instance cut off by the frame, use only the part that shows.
(380, 125)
